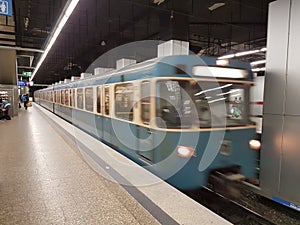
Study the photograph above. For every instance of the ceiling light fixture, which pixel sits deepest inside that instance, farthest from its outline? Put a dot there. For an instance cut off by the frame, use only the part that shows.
(69, 8)
(239, 54)
(158, 2)
(259, 69)
(216, 6)
(227, 56)
(103, 43)
(264, 49)
(258, 62)
(172, 15)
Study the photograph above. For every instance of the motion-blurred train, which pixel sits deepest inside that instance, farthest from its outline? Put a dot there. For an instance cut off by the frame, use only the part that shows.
(181, 117)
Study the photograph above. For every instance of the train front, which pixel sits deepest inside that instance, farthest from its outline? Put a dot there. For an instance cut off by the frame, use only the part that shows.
(202, 123)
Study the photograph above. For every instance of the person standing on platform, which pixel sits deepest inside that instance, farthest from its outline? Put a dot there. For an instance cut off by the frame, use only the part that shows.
(25, 100)
(5, 109)
(20, 101)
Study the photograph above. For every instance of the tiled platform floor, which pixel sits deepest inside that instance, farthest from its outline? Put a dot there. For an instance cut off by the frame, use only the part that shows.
(43, 180)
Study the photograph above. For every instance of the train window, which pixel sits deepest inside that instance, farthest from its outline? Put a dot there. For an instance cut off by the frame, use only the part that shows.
(98, 99)
(124, 101)
(89, 99)
(54, 97)
(221, 104)
(72, 97)
(80, 98)
(67, 101)
(51, 96)
(58, 97)
(173, 104)
(106, 99)
(145, 102)
(62, 97)
(180, 104)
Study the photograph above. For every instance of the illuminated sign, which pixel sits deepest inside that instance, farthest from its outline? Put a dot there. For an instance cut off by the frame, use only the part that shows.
(210, 71)
(6, 7)
(26, 74)
(21, 83)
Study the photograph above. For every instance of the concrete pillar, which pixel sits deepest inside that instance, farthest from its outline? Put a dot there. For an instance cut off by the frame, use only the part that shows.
(280, 153)
(8, 78)
(8, 71)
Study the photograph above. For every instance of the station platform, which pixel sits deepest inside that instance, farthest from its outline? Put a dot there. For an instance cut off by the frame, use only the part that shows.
(53, 173)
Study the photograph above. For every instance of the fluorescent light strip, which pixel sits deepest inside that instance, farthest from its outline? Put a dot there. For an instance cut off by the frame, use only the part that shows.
(236, 95)
(69, 8)
(258, 62)
(211, 71)
(239, 54)
(227, 56)
(213, 89)
(259, 69)
(229, 92)
(263, 49)
(216, 6)
(216, 100)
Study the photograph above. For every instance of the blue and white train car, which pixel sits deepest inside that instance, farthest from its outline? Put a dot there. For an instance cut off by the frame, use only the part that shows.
(181, 117)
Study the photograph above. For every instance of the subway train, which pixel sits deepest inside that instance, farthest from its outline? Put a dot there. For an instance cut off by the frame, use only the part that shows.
(182, 117)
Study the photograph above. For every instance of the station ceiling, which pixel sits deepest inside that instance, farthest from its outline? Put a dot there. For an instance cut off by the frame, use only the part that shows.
(235, 25)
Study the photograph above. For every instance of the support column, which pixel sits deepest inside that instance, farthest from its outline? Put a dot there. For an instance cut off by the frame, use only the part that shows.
(8, 78)
(280, 154)
(8, 71)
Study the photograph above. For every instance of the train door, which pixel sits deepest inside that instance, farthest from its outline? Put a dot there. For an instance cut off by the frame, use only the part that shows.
(106, 122)
(53, 99)
(99, 110)
(145, 133)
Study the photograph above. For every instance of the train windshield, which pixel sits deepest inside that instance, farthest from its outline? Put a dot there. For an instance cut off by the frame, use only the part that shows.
(182, 104)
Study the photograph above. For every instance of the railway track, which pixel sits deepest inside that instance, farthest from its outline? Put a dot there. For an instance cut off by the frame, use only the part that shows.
(229, 209)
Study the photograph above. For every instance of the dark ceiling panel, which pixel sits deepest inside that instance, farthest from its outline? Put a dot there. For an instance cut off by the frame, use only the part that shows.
(238, 22)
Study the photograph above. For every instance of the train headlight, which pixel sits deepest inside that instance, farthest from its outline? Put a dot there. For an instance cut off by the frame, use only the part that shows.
(185, 152)
(254, 144)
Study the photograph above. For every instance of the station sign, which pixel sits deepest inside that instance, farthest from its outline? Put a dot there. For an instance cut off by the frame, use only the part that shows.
(6, 7)
(21, 83)
(26, 74)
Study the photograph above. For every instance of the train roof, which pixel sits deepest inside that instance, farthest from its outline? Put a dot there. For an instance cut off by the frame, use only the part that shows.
(155, 67)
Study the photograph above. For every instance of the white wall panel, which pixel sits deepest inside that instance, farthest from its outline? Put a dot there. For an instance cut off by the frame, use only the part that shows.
(293, 65)
(277, 44)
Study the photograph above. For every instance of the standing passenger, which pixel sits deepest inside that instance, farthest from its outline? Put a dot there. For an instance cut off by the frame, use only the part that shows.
(25, 100)
(20, 101)
(5, 109)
